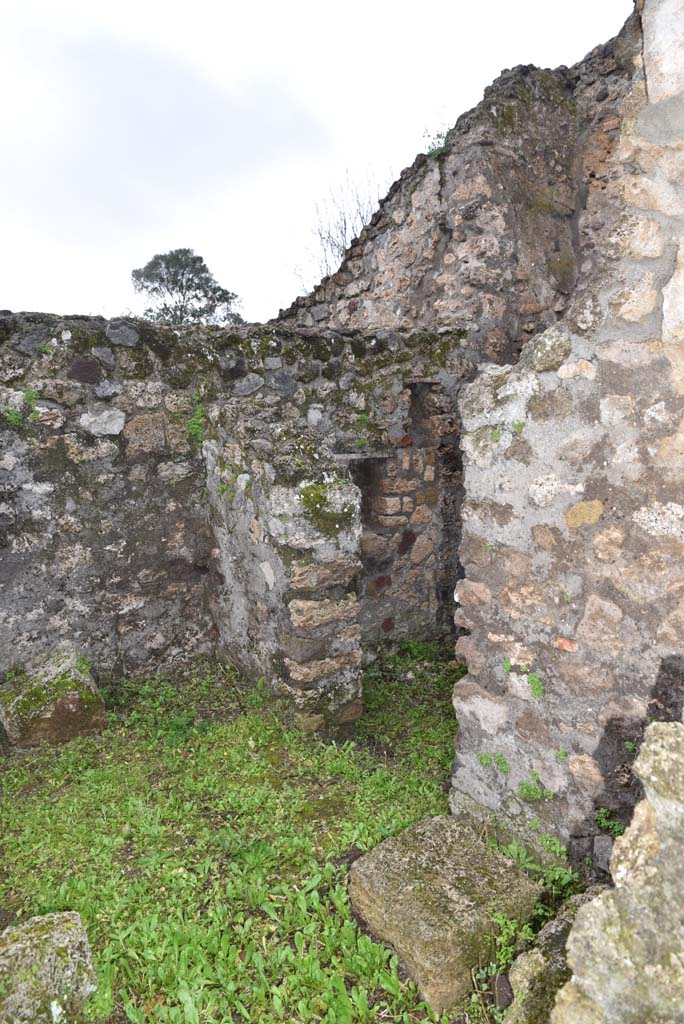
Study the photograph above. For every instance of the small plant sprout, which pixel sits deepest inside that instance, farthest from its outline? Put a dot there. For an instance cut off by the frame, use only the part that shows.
(553, 845)
(631, 746)
(196, 422)
(485, 760)
(533, 790)
(435, 144)
(30, 399)
(607, 823)
(13, 416)
(536, 685)
(507, 665)
(502, 764)
(518, 426)
(561, 755)
(496, 435)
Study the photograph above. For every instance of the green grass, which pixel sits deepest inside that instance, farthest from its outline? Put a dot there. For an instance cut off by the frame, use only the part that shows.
(206, 847)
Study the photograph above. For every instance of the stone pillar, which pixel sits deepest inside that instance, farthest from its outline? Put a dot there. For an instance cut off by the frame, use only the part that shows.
(288, 553)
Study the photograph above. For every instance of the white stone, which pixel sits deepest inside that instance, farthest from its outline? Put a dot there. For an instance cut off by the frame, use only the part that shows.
(661, 520)
(673, 302)
(269, 575)
(314, 415)
(663, 27)
(545, 489)
(100, 423)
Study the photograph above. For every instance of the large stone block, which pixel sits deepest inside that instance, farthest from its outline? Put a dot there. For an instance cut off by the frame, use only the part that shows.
(626, 946)
(430, 893)
(46, 971)
(52, 700)
(537, 974)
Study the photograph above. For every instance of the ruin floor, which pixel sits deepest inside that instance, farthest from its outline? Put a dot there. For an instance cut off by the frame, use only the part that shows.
(207, 848)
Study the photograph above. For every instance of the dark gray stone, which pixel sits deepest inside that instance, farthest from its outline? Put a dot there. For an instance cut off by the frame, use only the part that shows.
(104, 355)
(248, 385)
(108, 389)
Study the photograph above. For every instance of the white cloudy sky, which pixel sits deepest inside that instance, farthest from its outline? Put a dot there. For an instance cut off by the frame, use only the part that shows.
(133, 127)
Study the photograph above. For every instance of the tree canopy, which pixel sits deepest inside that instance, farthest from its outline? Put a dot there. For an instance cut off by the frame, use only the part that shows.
(182, 290)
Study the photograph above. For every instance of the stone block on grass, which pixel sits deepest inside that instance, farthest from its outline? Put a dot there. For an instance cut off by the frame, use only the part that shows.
(46, 971)
(430, 893)
(51, 700)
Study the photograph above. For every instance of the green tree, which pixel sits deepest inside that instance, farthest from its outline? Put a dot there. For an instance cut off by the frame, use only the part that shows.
(182, 290)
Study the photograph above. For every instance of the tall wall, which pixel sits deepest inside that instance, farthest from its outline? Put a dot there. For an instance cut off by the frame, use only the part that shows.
(573, 544)
(328, 501)
(292, 492)
(486, 231)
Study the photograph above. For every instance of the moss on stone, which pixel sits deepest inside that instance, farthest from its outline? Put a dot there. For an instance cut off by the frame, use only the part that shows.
(29, 698)
(318, 510)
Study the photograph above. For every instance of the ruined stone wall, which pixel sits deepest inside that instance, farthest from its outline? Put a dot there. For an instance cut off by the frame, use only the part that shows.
(327, 498)
(625, 948)
(104, 539)
(169, 492)
(486, 229)
(292, 492)
(573, 544)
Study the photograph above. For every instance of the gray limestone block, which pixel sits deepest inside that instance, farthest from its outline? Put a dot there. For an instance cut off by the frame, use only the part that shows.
(430, 893)
(108, 389)
(103, 421)
(119, 332)
(625, 948)
(104, 355)
(46, 971)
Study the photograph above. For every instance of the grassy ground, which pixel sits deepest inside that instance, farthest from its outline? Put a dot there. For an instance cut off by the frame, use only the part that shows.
(207, 848)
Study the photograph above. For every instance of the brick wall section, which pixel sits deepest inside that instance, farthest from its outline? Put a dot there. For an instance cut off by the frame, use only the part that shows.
(406, 549)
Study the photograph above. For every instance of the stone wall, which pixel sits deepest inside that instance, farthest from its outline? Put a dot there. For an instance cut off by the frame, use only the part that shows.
(573, 541)
(625, 948)
(493, 228)
(170, 493)
(289, 493)
(328, 495)
(104, 540)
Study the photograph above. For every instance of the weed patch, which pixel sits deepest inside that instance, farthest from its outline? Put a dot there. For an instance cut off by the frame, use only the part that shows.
(206, 846)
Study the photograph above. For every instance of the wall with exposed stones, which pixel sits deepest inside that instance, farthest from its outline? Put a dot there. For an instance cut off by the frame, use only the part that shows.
(573, 539)
(291, 493)
(493, 228)
(329, 500)
(276, 494)
(104, 540)
(625, 948)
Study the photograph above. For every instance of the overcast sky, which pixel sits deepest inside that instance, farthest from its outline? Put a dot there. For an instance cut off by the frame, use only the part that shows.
(134, 127)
